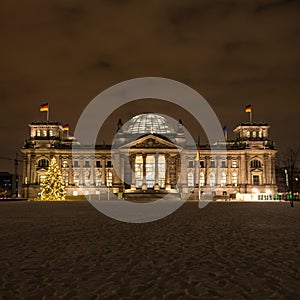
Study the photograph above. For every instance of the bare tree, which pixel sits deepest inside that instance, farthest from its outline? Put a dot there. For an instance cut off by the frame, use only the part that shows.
(289, 162)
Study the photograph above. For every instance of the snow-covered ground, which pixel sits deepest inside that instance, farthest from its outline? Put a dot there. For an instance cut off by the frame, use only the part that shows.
(223, 251)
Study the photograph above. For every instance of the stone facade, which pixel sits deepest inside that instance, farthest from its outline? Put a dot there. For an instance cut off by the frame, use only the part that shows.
(152, 156)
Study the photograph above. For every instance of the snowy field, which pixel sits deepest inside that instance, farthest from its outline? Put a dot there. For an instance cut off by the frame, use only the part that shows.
(223, 251)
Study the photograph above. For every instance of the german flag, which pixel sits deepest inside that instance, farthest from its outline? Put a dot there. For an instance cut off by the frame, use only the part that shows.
(44, 107)
(66, 127)
(248, 108)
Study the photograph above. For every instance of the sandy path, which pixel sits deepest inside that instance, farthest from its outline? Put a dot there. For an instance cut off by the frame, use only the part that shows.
(226, 250)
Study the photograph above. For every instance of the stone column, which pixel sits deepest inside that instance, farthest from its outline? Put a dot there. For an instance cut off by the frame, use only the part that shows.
(168, 185)
(217, 170)
(26, 168)
(32, 169)
(70, 172)
(247, 170)
(92, 167)
(206, 179)
(229, 162)
(241, 169)
(103, 175)
(183, 173)
(81, 179)
(266, 171)
(133, 181)
(144, 186)
(156, 186)
(196, 174)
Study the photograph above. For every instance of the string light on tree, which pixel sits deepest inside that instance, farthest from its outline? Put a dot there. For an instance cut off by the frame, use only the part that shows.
(53, 187)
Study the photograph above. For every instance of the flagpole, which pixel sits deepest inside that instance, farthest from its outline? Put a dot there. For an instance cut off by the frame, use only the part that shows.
(250, 115)
(48, 112)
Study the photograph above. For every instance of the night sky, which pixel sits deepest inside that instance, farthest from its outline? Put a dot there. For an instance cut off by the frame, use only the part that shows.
(232, 52)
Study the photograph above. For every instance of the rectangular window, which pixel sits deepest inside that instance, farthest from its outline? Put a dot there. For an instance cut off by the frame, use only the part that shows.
(234, 164)
(223, 164)
(98, 164)
(109, 165)
(212, 164)
(255, 179)
(191, 164)
(76, 164)
(201, 164)
(86, 164)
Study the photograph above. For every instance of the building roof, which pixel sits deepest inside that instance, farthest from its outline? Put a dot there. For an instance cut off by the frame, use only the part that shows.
(148, 123)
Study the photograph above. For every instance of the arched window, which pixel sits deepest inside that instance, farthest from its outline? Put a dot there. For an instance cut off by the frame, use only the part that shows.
(43, 163)
(255, 164)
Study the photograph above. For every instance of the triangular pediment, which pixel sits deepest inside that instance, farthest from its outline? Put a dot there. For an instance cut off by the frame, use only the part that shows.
(151, 141)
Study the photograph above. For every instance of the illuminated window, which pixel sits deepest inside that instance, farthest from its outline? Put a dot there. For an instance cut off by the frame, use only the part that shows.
(38, 133)
(138, 171)
(248, 134)
(44, 132)
(255, 164)
(150, 171)
(202, 179)
(87, 177)
(65, 164)
(234, 164)
(223, 179)
(98, 174)
(260, 134)
(254, 134)
(234, 179)
(50, 132)
(76, 178)
(161, 170)
(109, 178)
(42, 178)
(65, 176)
(190, 178)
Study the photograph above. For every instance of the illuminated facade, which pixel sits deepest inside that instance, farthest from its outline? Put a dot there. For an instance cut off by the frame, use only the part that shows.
(153, 158)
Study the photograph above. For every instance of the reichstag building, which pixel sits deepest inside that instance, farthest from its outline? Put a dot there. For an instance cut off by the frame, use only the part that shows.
(153, 158)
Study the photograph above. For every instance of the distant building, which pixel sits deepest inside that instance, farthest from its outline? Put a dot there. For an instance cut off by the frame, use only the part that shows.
(7, 184)
(160, 161)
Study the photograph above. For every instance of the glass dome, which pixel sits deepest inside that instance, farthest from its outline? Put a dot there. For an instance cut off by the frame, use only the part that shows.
(148, 123)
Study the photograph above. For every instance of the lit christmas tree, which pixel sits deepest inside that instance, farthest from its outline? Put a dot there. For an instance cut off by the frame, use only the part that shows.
(53, 187)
